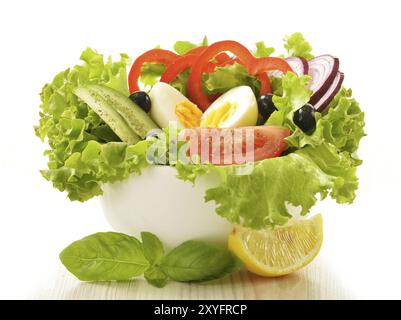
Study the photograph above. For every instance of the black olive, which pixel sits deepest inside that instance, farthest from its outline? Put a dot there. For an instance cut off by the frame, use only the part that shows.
(305, 119)
(142, 100)
(266, 106)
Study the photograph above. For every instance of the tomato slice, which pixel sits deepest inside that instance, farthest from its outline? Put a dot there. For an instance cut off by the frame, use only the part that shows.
(270, 141)
(155, 56)
(208, 144)
(194, 86)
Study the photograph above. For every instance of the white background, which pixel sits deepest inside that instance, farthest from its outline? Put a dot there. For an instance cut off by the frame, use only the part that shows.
(40, 38)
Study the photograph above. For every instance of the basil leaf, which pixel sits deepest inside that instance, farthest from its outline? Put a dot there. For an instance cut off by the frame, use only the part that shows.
(152, 247)
(156, 277)
(199, 261)
(105, 256)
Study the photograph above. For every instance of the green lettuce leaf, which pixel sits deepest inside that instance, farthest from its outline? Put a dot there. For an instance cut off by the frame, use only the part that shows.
(262, 51)
(293, 96)
(182, 47)
(294, 179)
(180, 83)
(228, 77)
(276, 85)
(297, 46)
(190, 171)
(84, 152)
(84, 172)
(151, 73)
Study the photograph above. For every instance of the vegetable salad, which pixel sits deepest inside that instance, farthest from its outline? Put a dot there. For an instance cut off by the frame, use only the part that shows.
(96, 118)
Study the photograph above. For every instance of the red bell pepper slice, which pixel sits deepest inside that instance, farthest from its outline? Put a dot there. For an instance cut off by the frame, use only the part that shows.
(222, 58)
(187, 61)
(194, 86)
(265, 87)
(196, 51)
(262, 65)
(154, 56)
(206, 59)
(178, 66)
(254, 66)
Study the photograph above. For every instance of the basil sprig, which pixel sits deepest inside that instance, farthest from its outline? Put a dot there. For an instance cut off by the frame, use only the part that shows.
(107, 256)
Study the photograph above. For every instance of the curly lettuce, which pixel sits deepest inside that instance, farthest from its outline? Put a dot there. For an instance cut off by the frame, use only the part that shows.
(228, 77)
(342, 126)
(182, 47)
(151, 73)
(262, 51)
(258, 198)
(297, 46)
(83, 151)
(322, 163)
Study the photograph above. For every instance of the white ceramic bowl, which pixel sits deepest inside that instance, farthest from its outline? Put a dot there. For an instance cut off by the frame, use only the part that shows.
(158, 202)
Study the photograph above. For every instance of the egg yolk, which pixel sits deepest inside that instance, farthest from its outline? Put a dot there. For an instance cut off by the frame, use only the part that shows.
(188, 113)
(220, 115)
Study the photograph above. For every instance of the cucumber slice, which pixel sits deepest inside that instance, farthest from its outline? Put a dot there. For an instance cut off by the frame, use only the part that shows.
(137, 119)
(105, 111)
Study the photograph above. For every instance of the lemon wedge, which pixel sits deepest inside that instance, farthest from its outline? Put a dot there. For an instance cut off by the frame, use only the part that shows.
(279, 251)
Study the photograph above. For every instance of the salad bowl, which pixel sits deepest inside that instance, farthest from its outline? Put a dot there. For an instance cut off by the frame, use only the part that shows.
(158, 202)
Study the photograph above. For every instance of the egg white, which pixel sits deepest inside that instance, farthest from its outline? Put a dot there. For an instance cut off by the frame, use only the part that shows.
(164, 99)
(246, 113)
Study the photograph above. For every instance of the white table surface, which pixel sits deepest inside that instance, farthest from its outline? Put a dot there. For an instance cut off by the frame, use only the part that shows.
(360, 257)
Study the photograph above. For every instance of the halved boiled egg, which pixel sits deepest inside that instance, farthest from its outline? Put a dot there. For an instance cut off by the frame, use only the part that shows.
(235, 108)
(168, 104)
